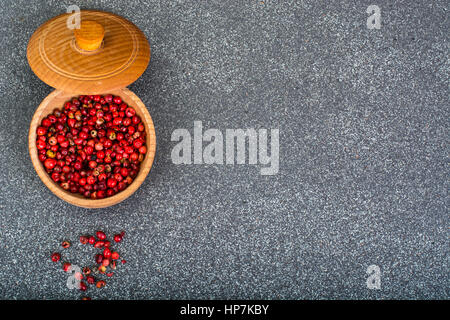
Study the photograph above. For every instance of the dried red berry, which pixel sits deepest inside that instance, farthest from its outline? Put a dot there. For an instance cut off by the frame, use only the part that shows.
(56, 257)
(118, 238)
(98, 258)
(40, 146)
(67, 266)
(86, 270)
(41, 131)
(130, 112)
(105, 262)
(50, 163)
(90, 180)
(101, 235)
(46, 122)
(99, 244)
(65, 244)
(55, 176)
(107, 253)
(143, 149)
(84, 239)
(100, 284)
(114, 255)
(112, 183)
(83, 286)
(117, 100)
(90, 279)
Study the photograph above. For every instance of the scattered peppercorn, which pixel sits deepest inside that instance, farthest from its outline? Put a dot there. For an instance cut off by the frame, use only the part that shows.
(86, 271)
(84, 240)
(98, 258)
(107, 253)
(56, 257)
(106, 260)
(90, 279)
(99, 244)
(67, 266)
(65, 244)
(114, 255)
(101, 235)
(83, 286)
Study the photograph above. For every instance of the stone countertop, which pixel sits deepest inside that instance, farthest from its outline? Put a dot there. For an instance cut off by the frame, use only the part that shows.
(363, 161)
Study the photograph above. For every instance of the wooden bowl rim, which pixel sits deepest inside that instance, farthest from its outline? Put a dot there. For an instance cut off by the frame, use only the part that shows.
(79, 200)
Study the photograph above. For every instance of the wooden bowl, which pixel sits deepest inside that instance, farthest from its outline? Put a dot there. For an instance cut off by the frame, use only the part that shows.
(56, 99)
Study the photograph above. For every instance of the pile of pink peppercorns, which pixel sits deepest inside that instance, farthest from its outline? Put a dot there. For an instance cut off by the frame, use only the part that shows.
(93, 146)
(107, 259)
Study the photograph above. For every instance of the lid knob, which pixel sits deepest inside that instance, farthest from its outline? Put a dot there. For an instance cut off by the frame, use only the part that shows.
(89, 36)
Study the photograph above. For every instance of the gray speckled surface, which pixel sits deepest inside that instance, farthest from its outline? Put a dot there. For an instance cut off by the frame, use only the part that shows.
(363, 118)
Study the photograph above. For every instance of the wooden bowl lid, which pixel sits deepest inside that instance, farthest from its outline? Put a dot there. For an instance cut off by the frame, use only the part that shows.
(108, 52)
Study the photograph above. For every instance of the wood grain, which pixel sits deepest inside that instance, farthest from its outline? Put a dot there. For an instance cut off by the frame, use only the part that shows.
(56, 99)
(55, 58)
